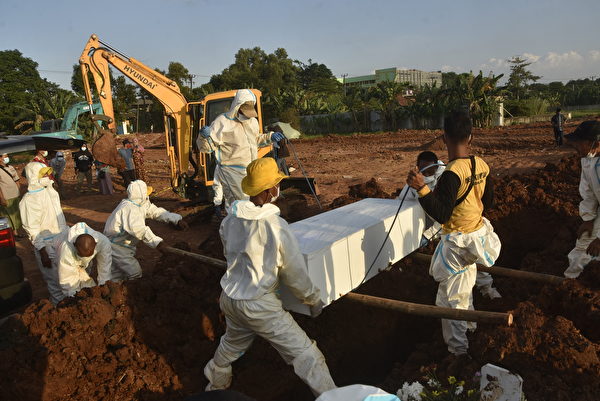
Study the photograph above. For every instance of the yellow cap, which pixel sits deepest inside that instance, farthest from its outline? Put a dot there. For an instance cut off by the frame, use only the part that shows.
(44, 171)
(261, 175)
(149, 190)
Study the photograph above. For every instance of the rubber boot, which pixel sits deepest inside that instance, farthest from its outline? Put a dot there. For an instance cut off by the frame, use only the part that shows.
(311, 367)
(218, 378)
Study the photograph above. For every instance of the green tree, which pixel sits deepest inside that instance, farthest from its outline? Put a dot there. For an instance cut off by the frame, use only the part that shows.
(21, 87)
(385, 97)
(124, 97)
(317, 78)
(254, 68)
(181, 75)
(519, 77)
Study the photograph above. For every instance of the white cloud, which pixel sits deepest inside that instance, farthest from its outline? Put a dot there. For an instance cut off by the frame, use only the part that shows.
(497, 62)
(553, 59)
(553, 65)
(451, 68)
(532, 58)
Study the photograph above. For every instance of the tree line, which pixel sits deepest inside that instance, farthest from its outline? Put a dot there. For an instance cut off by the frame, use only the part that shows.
(291, 89)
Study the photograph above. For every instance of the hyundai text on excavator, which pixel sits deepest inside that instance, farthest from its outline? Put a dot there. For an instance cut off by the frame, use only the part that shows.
(191, 171)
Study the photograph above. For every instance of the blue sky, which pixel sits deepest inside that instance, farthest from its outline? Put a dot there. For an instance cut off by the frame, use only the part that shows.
(350, 37)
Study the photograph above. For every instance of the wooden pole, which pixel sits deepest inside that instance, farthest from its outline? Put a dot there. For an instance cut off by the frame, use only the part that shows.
(221, 264)
(505, 272)
(431, 310)
(406, 307)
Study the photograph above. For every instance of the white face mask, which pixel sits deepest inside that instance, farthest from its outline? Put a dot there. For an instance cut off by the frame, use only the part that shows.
(274, 198)
(85, 261)
(45, 153)
(429, 180)
(46, 181)
(5, 160)
(83, 148)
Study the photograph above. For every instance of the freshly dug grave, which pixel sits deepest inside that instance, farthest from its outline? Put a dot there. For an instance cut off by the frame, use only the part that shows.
(149, 339)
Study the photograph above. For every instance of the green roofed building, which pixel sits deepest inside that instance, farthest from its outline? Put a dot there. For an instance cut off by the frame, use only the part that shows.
(416, 78)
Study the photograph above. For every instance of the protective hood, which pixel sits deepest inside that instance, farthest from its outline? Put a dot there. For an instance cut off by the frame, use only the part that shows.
(244, 209)
(78, 229)
(137, 192)
(32, 171)
(242, 96)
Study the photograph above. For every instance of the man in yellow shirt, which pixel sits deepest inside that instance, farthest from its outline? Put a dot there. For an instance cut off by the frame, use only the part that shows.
(462, 193)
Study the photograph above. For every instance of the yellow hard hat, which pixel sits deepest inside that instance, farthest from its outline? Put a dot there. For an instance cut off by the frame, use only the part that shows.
(44, 171)
(149, 190)
(261, 175)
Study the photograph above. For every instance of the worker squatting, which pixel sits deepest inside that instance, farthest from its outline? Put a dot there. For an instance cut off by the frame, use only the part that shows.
(262, 253)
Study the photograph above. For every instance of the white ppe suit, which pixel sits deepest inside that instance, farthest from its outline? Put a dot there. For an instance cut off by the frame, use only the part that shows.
(235, 139)
(43, 220)
(589, 189)
(73, 270)
(261, 251)
(453, 266)
(126, 226)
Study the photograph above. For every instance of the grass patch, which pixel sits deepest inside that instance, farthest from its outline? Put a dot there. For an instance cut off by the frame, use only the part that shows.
(583, 113)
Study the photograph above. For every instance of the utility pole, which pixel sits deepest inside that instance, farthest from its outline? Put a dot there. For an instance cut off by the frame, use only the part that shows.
(344, 82)
(191, 78)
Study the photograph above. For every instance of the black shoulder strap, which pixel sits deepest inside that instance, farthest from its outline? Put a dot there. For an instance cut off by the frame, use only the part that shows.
(468, 191)
(9, 174)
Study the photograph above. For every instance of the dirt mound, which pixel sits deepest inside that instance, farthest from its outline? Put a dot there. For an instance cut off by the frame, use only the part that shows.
(115, 341)
(151, 140)
(555, 360)
(435, 144)
(369, 189)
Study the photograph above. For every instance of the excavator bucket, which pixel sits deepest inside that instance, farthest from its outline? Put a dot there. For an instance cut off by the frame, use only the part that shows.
(104, 148)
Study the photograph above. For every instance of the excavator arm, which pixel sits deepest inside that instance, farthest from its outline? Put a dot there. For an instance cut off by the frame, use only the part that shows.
(96, 59)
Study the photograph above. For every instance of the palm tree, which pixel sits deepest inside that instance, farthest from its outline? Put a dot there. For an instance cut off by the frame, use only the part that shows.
(31, 116)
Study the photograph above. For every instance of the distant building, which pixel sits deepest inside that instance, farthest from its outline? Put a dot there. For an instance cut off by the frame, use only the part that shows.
(416, 78)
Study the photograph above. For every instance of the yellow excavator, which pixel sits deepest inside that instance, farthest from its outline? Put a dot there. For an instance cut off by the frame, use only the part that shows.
(191, 171)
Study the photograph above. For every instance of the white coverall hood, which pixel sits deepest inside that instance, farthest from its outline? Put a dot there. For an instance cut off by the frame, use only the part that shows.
(249, 211)
(137, 192)
(242, 96)
(33, 181)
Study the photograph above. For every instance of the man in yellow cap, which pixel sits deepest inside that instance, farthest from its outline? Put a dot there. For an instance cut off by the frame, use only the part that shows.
(43, 220)
(261, 252)
(126, 227)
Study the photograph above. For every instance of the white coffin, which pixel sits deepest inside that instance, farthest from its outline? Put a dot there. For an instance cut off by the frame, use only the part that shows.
(340, 245)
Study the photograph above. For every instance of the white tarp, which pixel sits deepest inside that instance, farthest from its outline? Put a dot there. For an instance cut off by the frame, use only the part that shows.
(340, 245)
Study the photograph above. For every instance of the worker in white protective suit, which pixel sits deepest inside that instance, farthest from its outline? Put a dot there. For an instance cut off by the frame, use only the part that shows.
(586, 140)
(432, 168)
(126, 227)
(458, 202)
(234, 137)
(261, 252)
(74, 250)
(43, 220)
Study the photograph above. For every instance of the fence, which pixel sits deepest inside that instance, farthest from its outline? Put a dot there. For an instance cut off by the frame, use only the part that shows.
(364, 121)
